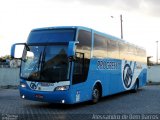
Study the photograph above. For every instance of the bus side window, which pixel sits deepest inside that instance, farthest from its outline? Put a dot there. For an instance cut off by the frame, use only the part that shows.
(113, 49)
(100, 46)
(83, 53)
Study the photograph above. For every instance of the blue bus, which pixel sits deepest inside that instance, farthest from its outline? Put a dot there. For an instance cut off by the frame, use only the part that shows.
(75, 64)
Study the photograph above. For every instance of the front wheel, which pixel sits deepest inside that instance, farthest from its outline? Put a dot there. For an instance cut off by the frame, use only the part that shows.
(95, 95)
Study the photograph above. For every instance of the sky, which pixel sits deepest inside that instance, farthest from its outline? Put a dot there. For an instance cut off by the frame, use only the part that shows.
(141, 19)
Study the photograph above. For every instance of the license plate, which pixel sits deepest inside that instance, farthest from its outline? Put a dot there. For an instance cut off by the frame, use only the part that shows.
(47, 84)
(39, 96)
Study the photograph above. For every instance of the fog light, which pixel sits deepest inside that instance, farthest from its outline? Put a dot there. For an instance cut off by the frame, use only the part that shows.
(23, 85)
(23, 96)
(63, 101)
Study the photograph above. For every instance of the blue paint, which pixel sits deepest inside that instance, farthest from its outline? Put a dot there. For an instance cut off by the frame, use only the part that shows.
(109, 72)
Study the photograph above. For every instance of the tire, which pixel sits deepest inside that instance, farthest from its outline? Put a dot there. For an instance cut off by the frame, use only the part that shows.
(136, 86)
(95, 94)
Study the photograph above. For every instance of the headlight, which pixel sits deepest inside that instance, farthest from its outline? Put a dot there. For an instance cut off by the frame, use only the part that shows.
(62, 88)
(23, 85)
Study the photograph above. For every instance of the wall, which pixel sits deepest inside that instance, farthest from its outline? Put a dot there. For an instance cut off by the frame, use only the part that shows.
(9, 77)
(154, 73)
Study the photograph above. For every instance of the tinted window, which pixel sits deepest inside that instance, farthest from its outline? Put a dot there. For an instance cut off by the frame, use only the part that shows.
(84, 46)
(141, 55)
(123, 50)
(83, 53)
(100, 46)
(47, 64)
(53, 35)
(131, 52)
(113, 49)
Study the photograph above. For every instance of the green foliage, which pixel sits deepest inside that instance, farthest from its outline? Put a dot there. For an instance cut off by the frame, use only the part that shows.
(3, 58)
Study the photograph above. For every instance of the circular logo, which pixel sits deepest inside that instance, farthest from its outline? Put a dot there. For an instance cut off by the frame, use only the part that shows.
(127, 76)
(33, 85)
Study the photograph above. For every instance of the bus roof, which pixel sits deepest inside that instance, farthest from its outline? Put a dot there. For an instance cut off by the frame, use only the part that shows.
(86, 28)
(79, 27)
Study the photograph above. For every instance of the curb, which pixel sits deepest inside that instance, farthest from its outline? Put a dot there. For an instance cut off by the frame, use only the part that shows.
(153, 83)
(9, 87)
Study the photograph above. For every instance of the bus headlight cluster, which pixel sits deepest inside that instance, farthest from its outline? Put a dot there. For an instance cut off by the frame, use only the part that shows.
(23, 85)
(62, 88)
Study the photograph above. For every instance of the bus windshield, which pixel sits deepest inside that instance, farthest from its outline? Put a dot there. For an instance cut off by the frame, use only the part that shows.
(45, 64)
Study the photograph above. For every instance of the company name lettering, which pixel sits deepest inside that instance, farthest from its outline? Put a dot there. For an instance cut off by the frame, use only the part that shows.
(107, 65)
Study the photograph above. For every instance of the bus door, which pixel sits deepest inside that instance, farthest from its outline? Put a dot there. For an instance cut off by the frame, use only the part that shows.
(78, 68)
(78, 75)
(81, 64)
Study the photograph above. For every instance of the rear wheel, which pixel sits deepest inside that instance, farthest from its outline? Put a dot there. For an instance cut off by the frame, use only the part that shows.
(95, 94)
(136, 86)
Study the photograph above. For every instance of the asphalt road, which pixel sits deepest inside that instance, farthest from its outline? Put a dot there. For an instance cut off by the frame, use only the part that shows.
(143, 104)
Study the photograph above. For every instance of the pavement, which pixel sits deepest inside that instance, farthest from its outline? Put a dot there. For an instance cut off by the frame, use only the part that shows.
(141, 105)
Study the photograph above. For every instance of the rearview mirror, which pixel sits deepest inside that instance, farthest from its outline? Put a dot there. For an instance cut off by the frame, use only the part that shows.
(17, 50)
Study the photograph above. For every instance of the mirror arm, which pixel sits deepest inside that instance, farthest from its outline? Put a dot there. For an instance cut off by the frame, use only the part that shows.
(27, 48)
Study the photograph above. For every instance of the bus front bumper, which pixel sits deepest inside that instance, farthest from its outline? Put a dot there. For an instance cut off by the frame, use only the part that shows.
(45, 96)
